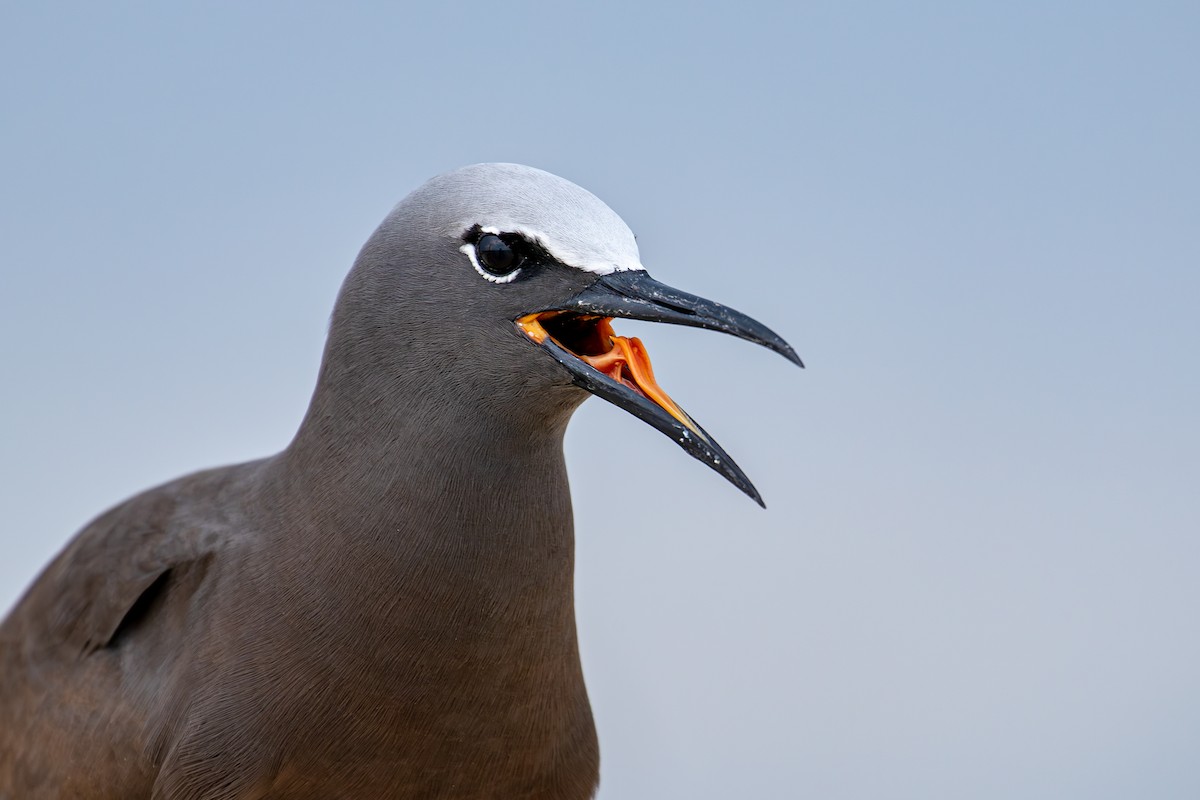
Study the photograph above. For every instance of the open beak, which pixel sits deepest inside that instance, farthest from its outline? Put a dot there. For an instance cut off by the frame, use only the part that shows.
(579, 335)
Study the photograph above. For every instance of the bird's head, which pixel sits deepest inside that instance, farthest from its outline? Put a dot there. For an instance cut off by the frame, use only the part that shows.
(506, 280)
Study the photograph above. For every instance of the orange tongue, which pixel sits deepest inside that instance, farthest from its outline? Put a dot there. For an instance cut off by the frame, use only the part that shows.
(628, 363)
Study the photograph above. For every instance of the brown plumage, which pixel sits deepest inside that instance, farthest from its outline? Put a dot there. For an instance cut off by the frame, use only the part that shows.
(382, 610)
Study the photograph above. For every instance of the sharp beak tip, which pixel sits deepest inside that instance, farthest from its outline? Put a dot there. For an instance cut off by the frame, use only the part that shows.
(791, 356)
(747, 489)
(730, 471)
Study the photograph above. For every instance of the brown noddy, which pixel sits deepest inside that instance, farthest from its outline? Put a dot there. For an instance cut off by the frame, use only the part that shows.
(377, 611)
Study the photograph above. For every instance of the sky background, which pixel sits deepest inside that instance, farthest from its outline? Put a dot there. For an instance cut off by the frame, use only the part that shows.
(979, 571)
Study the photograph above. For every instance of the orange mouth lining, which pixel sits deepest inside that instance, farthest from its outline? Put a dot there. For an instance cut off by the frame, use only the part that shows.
(622, 359)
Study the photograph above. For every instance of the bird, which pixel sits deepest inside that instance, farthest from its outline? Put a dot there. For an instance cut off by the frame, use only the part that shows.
(384, 608)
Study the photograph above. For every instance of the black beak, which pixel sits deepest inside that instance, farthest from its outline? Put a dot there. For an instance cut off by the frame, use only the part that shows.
(627, 381)
(635, 295)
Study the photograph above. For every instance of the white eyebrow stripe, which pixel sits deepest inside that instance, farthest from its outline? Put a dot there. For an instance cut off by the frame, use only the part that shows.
(574, 260)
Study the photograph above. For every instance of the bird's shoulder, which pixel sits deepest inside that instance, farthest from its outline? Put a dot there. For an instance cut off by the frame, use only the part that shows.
(84, 596)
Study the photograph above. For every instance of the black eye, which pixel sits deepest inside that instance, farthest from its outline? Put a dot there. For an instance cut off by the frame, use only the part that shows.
(494, 255)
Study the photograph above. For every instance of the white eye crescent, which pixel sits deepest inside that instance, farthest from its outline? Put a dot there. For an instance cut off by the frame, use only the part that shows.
(493, 258)
(469, 249)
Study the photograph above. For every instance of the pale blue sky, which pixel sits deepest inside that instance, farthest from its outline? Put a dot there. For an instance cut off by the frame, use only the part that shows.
(979, 572)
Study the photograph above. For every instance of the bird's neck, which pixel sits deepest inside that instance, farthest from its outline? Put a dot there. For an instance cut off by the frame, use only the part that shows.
(403, 427)
(434, 551)
(473, 471)
(414, 489)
